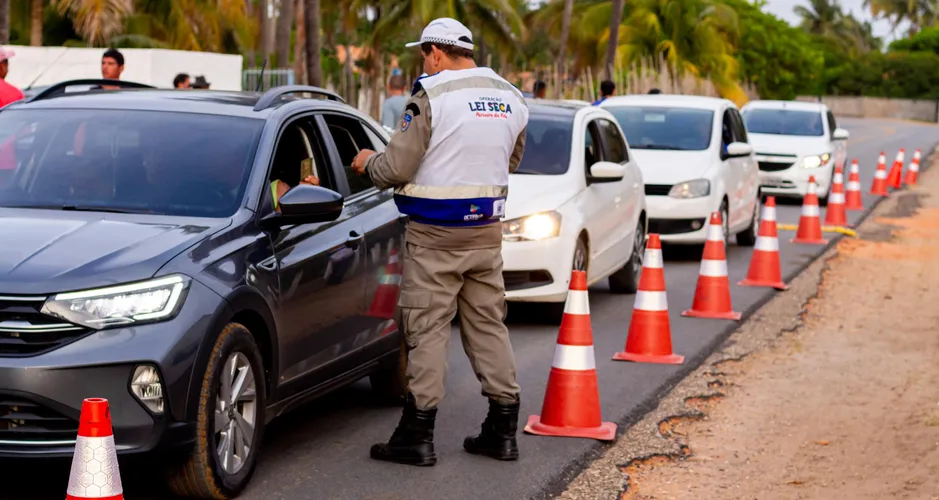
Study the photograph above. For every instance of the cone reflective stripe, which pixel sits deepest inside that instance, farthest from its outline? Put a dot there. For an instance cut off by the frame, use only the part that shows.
(810, 223)
(765, 269)
(572, 400)
(852, 197)
(896, 172)
(836, 214)
(385, 301)
(712, 295)
(95, 472)
(879, 186)
(650, 338)
(913, 172)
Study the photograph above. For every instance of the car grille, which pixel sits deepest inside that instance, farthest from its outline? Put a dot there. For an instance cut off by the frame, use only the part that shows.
(24, 331)
(658, 189)
(772, 166)
(520, 280)
(26, 423)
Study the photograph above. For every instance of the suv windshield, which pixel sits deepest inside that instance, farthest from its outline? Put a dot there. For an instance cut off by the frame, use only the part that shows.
(126, 161)
(784, 122)
(547, 145)
(676, 129)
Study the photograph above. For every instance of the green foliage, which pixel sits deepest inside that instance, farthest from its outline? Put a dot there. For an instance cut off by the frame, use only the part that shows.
(926, 40)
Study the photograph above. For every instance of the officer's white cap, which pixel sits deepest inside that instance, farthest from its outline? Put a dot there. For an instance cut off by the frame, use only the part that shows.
(446, 31)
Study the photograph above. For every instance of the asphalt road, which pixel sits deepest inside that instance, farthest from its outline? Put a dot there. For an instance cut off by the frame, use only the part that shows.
(321, 451)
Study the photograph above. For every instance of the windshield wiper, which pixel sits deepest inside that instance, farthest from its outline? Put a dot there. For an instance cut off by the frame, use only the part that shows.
(112, 210)
(660, 146)
(527, 172)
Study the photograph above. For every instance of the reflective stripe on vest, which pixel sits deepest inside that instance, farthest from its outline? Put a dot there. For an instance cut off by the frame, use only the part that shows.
(274, 193)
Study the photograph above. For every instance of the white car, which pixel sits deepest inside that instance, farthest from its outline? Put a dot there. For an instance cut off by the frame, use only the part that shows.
(696, 160)
(575, 202)
(794, 141)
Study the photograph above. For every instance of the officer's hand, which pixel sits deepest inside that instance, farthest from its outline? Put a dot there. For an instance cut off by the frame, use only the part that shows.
(358, 163)
(311, 180)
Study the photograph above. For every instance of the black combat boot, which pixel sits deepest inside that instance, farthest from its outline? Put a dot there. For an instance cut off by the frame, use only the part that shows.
(497, 439)
(412, 442)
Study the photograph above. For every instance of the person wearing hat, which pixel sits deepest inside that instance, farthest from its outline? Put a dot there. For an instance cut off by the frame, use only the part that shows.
(200, 83)
(449, 160)
(8, 93)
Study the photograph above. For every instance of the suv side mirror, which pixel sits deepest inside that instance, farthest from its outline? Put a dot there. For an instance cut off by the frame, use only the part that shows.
(605, 171)
(738, 149)
(305, 204)
(840, 134)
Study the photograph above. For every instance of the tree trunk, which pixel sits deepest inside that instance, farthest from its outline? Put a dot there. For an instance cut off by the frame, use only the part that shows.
(4, 21)
(35, 23)
(267, 31)
(562, 52)
(615, 20)
(351, 90)
(314, 67)
(284, 28)
(299, 51)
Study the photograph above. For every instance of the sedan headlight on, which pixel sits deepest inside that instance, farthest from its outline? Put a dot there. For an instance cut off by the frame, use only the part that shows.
(815, 161)
(692, 189)
(147, 301)
(533, 227)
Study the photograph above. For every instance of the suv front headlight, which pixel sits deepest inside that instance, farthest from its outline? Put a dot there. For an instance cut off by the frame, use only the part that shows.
(815, 161)
(692, 189)
(533, 227)
(144, 302)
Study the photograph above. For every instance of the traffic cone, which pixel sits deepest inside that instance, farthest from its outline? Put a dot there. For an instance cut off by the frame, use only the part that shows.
(650, 335)
(572, 400)
(896, 172)
(879, 186)
(852, 198)
(95, 471)
(765, 269)
(389, 286)
(913, 172)
(810, 223)
(836, 214)
(712, 295)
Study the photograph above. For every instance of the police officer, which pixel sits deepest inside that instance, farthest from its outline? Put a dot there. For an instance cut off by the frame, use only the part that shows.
(449, 160)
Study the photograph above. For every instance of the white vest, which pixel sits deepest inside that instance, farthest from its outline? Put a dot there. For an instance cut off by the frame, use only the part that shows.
(476, 118)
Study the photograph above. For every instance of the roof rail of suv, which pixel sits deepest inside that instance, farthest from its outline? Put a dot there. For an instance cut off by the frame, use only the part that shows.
(272, 95)
(59, 88)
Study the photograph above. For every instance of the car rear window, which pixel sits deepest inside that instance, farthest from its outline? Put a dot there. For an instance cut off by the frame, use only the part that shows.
(663, 128)
(547, 145)
(181, 164)
(784, 122)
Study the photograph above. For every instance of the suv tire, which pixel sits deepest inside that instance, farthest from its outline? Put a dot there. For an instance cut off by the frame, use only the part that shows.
(202, 475)
(626, 280)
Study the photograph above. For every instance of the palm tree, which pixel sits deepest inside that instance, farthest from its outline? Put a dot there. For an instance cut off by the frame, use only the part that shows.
(311, 16)
(282, 35)
(35, 22)
(199, 25)
(822, 17)
(4, 21)
(918, 13)
(96, 21)
(565, 34)
(616, 19)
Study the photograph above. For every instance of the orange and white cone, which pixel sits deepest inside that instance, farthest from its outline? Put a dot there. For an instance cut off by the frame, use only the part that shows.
(712, 295)
(650, 334)
(852, 197)
(836, 213)
(385, 301)
(912, 173)
(95, 471)
(896, 172)
(879, 186)
(765, 269)
(810, 223)
(572, 400)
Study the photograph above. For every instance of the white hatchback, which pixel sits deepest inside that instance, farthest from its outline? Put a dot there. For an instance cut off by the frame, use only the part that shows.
(575, 202)
(696, 160)
(795, 141)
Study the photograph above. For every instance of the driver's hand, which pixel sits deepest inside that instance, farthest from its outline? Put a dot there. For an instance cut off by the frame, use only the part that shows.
(312, 180)
(358, 163)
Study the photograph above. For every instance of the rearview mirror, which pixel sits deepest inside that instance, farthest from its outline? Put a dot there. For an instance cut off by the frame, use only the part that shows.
(840, 134)
(305, 204)
(738, 149)
(606, 171)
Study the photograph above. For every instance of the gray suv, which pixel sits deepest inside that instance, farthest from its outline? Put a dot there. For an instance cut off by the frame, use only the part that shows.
(144, 259)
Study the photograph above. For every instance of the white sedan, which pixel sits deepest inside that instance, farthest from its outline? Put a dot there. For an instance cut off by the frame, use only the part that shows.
(795, 141)
(575, 202)
(695, 159)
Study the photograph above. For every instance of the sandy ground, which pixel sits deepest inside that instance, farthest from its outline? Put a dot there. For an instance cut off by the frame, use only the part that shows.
(830, 391)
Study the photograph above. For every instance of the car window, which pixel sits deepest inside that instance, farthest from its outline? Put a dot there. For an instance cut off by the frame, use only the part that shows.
(740, 130)
(547, 145)
(127, 160)
(614, 146)
(784, 122)
(591, 145)
(350, 137)
(832, 125)
(727, 129)
(378, 145)
(299, 152)
(655, 127)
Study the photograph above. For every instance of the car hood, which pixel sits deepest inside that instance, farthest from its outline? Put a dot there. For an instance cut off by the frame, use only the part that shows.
(768, 144)
(44, 251)
(672, 167)
(529, 194)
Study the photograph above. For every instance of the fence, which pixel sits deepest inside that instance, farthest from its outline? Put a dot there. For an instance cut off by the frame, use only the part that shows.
(877, 107)
(250, 78)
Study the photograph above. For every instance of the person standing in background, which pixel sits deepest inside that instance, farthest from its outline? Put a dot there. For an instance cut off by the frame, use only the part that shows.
(607, 89)
(112, 65)
(393, 108)
(8, 93)
(181, 81)
(201, 83)
(540, 89)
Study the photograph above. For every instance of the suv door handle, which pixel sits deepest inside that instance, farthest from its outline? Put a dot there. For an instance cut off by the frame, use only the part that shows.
(355, 239)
